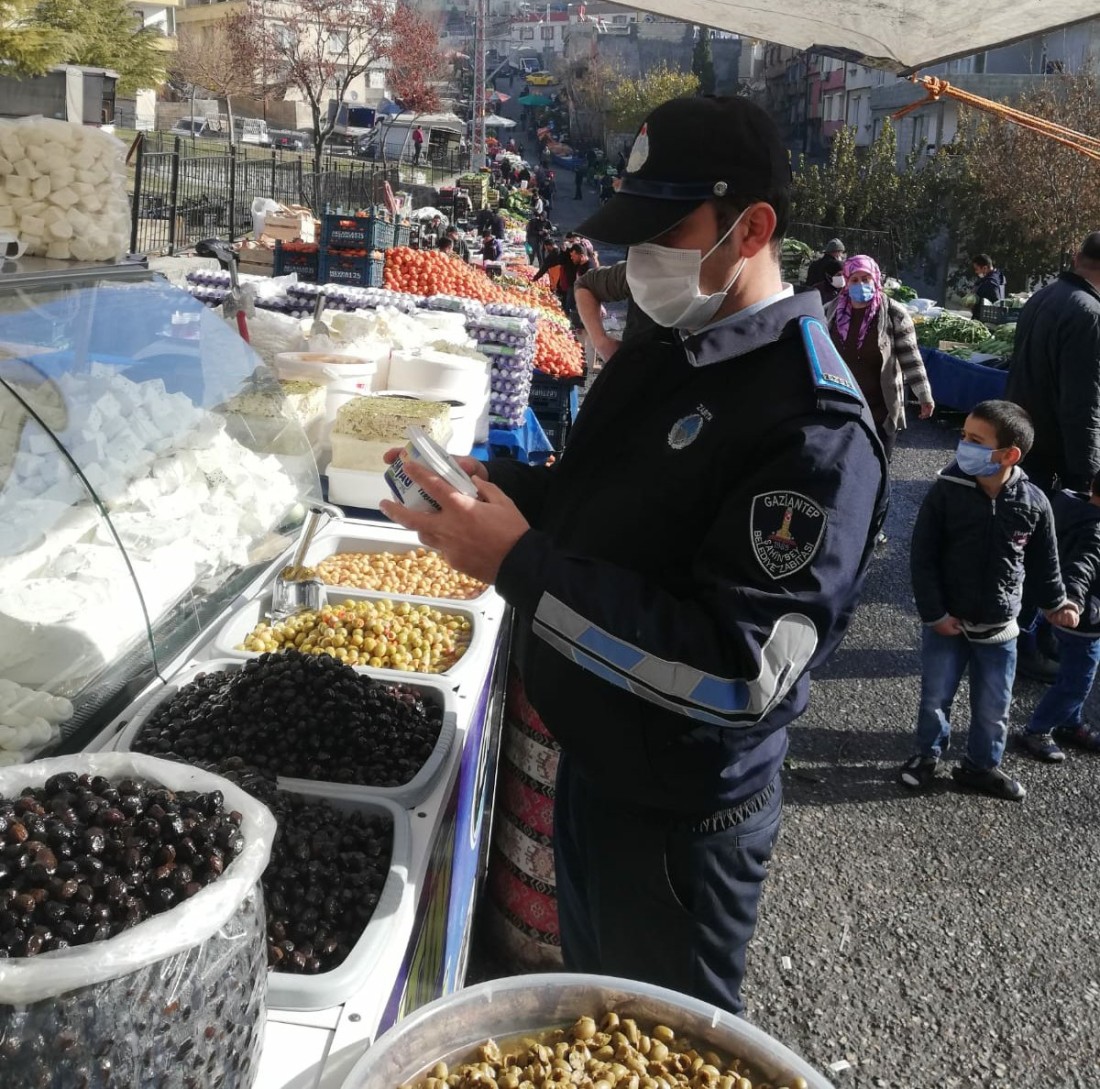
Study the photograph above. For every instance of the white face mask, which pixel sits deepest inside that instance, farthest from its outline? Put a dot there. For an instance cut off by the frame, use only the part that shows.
(838, 280)
(664, 282)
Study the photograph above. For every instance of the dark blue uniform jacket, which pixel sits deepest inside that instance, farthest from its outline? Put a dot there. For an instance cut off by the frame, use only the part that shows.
(697, 550)
(1077, 523)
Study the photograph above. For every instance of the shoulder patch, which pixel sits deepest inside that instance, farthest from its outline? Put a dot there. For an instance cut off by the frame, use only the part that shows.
(828, 369)
(786, 530)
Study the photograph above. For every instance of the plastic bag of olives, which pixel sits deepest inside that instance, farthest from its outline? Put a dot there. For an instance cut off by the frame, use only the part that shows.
(175, 1000)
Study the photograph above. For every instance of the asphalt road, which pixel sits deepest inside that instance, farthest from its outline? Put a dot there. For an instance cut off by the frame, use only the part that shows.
(933, 941)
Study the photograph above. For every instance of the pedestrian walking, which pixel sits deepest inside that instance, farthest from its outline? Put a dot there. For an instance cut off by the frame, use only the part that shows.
(981, 526)
(578, 183)
(418, 144)
(667, 658)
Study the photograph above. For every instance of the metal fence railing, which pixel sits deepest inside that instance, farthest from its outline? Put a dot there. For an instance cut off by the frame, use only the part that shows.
(184, 189)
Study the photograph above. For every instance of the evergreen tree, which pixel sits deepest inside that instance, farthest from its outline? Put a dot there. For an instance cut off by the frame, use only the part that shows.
(702, 61)
(102, 34)
(27, 48)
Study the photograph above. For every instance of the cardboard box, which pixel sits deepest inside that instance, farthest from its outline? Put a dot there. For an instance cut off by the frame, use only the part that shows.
(253, 254)
(294, 224)
(250, 268)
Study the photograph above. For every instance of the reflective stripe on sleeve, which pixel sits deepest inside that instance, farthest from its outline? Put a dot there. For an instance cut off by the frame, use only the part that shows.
(677, 686)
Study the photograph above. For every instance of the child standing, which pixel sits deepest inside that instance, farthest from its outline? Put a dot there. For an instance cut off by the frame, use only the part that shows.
(1058, 717)
(982, 525)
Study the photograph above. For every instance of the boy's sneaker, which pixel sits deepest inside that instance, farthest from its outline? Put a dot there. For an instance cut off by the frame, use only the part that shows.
(1079, 737)
(918, 771)
(1042, 747)
(993, 782)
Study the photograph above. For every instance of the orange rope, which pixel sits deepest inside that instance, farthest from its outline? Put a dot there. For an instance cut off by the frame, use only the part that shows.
(940, 88)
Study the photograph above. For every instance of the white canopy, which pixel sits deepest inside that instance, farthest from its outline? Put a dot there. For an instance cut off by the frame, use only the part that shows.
(902, 35)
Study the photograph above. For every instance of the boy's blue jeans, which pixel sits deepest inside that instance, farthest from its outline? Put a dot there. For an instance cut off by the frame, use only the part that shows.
(944, 659)
(1063, 702)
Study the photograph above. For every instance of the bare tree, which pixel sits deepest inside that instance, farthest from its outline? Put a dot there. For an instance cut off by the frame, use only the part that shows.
(221, 58)
(320, 48)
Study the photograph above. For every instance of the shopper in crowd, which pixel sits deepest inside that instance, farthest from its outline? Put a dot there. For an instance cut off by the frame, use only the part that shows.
(1058, 718)
(990, 287)
(981, 527)
(607, 188)
(459, 246)
(538, 230)
(553, 266)
(591, 255)
(607, 285)
(581, 262)
(418, 144)
(547, 188)
(834, 250)
(668, 656)
(446, 245)
(578, 182)
(484, 221)
(877, 339)
(1055, 374)
(833, 283)
(492, 249)
(496, 225)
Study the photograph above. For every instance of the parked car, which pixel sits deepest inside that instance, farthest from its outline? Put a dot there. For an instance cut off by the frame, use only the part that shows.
(291, 139)
(540, 79)
(247, 130)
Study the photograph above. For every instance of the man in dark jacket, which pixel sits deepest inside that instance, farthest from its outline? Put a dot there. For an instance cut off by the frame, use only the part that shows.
(1055, 374)
(1059, 715)
(819, 269)
(668, 655)
(990, 287)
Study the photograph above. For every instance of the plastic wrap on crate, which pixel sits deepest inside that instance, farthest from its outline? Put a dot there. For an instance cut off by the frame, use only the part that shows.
(178, 1000)
(292, 991)
(440, 695)
(470, 307)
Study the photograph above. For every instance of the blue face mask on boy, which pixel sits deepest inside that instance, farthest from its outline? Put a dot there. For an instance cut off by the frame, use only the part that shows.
(976, 460)
(861, 293)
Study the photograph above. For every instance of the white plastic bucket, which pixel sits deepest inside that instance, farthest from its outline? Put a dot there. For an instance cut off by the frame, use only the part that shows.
(465, 416)
(454, 376)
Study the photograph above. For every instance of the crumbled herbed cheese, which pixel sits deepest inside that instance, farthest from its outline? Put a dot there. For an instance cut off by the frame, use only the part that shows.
(388, 418)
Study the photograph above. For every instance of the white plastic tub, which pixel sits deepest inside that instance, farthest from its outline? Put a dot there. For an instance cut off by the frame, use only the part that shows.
(357, 487)
(452, 376)
(451, 1028)
(287, 991)
(241, 623)
(409, 795)
(400, 542)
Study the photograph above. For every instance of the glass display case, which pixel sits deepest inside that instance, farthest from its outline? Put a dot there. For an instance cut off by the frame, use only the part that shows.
(150, 468)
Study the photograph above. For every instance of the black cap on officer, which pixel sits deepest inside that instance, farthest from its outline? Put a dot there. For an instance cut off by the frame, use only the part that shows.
(688, 151)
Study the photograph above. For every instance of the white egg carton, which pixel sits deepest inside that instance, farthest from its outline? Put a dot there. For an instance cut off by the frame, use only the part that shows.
(234, 631)
(407, 796)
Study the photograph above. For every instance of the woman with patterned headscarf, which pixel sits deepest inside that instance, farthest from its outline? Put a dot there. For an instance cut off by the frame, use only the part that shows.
(878, 341)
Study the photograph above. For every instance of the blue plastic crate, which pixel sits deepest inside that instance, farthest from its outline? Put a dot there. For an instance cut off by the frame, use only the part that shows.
(402, 234)
(356, 232)
(960, 383)
(338, 268)
(303, 264)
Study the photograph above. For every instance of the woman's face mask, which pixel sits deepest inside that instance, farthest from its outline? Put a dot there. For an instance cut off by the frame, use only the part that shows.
(664, 282)
(838, 280)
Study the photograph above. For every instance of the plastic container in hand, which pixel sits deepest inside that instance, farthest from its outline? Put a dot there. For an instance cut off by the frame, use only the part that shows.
(451, 1028)
(422, 450)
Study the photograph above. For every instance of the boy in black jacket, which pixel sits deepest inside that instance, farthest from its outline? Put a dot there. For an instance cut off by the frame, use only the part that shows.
(1058, 715)
(981, 526)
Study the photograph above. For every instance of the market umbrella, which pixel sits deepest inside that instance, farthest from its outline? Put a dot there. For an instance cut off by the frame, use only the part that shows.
(494, 120)
(535, 100)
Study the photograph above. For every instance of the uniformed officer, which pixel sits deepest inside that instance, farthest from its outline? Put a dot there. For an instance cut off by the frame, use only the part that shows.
(694, 554)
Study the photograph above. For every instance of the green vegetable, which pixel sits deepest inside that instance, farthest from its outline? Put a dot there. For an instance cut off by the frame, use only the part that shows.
(901, 293)
(950, 327)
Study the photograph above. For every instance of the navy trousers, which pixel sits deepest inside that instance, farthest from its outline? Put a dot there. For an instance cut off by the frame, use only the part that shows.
(653, 896)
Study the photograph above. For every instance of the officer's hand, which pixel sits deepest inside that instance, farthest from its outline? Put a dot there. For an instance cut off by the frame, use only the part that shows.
(927, 409)
(470, 466)
(949, 625)
(473, 535)
(1065, 617)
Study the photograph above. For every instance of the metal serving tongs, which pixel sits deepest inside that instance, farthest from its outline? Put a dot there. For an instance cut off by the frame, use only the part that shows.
(235, 307)
(297, 588)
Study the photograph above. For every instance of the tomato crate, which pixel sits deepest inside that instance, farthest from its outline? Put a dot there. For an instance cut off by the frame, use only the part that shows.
(301, 262)
(356, 232)
(338, 268)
